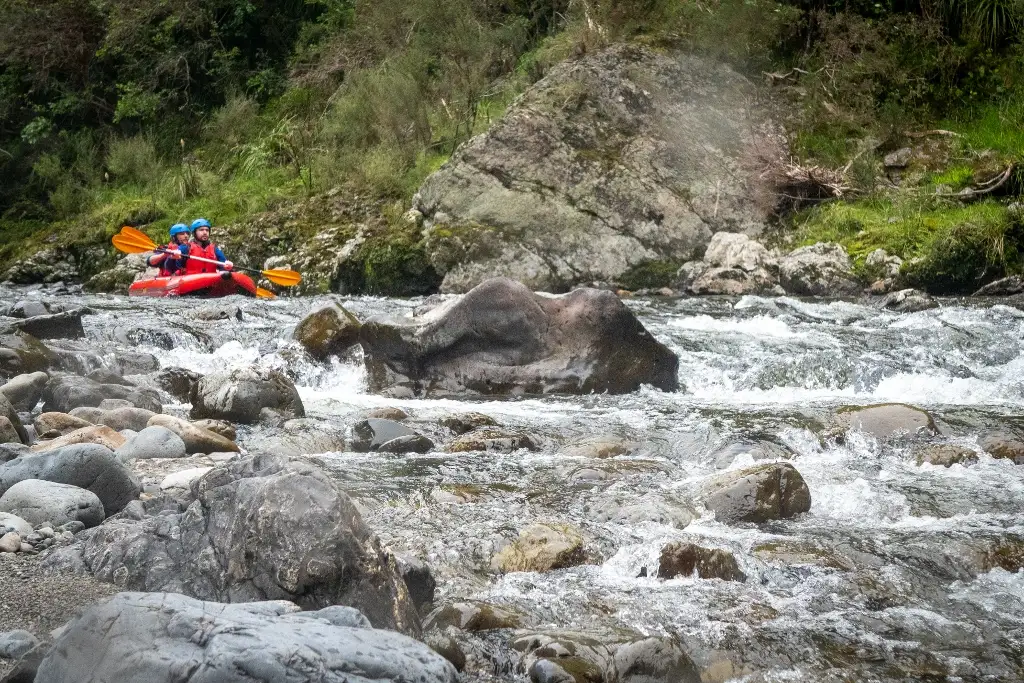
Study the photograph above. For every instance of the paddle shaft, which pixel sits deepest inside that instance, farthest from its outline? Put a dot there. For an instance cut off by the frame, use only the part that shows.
(162, 250)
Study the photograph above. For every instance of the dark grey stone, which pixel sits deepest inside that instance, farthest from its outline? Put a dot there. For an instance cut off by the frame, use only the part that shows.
(66, 325)
(241, 395)
(407, 444)
(15, 644)
(63, 393)
(39, 502)
(757, 494)
(371, 434)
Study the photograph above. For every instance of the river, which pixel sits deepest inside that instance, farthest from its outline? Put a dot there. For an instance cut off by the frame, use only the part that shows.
(888, 577)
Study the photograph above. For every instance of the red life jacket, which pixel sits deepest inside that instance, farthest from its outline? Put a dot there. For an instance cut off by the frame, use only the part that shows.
(193, 266)
(167, 261)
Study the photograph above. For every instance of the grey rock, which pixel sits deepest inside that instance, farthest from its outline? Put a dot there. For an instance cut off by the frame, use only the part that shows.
(152, 442)
(22, 353)
(11, 413)
(880, 264)
(240, 395)
(90, 414)
(196, 438)
(9, 522)
(16, 644)
(946, 455)
(688, 274)
(29, 308)
(631, 169)
(46, 265)
(109, 404)
(117, 279)
(757, 494)
(371, 434)
(447, 645)
(152, 638)
(10, 542)
(107, 376)
(885, 420)
(8, 433)
(128, 362)
(472, 616)
(418, 579)
(734, 282)
(570, 657)
(66, 325)
(907, 301)
(541, 548)
(898, 159)
(11, 451)
(24, 391)
(128, 417)
(89, 466)
(39, 502)
(649, 509)
(465, 422)
(1004, 445)
(763, 449)
(822, 269)
(654, 660)
(178, 382)
(736, 250)
(328, 331)
(302, 436)
(1007, 286)
(258, 529)
(491, 439)
(407, 444)
(63, 393)
(502, 338)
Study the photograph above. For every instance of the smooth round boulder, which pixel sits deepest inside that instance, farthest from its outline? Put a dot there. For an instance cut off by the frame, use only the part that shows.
(541, 548)
(885, 420)
(241, 395)
(328, 331)
(197, 439)
(39, 502)
(757, 494)
(371, 434)
(126, 417)
(16, 644)
(9, 522)
(64, 393)
(152, 442)
(51, 425)
(24, 391)
(99, 434)
(8, 434)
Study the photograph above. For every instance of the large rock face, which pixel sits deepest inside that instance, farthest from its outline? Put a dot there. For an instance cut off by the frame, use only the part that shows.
(501, 338)
(623, 157)
(168, 638)
(259, 529)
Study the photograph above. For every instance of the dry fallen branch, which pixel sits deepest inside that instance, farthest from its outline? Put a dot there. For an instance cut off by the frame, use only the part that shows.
(988, 186)
(807, 181)
(926, 133)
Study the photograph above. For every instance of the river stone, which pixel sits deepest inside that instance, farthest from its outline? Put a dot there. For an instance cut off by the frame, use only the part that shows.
(40, 502)
(197, 439)
(389, 413)
(599, 447)
(12, 451)
(63, 393)
(10, 542)
(946, 455)
(1007, 286)
(472, 616)
(22, 353)
(683, 559)
(302, 436)
(648, 509)
(178, 382)
(756, 494)
(822, 269)
(1004, 445)
(416, 443)
(222, 427)
(259, 528)
(16, 644)
(418, 579)
(657, 659)
(169, 638)
(240, 395)
(127, 417)
(371, 434)
(9, 522)
(572, 657)
(183, 479)
(542, 548)
(152, 442)
(109, 404)
(465, 422)
(24, 391)
(98, 434)
(89, 466)
(491, 439)
(885, 420)
(66, 325)
(446, 644)
(10, 412)
(623, 157)
(501, 338)
(907, 301)
(757, 450)
(734, 282)
(89, 414)
(30, 308)
(8, 434)
(107, 376)
(328, 331)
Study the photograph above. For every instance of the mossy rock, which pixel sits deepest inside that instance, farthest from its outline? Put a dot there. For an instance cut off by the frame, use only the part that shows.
(389, 264)
(650, 275)
(472, 615)
(328, 331)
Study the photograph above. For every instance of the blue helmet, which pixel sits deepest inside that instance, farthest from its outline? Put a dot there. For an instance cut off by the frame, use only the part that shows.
(200, 223)
(178, 228)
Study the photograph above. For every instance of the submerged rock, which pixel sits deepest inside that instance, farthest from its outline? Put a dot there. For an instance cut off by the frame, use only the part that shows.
(465, 422)
(472, 615)
(686, 559)
(491, 439)
(371, 434)
(157, 637)
(329, 331)
(259, 529)
(1004, 445)
(22, 353)
(885, 420)
(757, 494)
(541, 548)
(946, 455)
(503, 339)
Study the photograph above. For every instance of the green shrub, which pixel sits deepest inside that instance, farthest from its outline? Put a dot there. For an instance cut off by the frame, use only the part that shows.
(650, 275)
(134, 160)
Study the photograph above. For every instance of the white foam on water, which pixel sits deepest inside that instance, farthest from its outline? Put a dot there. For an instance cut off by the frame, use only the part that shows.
(758, 326)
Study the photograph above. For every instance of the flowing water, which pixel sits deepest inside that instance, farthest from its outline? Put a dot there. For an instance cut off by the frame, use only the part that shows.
(892, 575)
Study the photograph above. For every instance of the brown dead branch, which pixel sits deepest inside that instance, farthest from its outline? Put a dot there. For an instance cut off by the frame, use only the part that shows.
(811, 182)
(927, 133)
(987, 187)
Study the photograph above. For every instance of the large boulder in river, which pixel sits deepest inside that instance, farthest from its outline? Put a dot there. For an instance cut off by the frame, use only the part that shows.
(197, 439)
(88, 466)
(240, 395)
(41, 502)
(169, 638)
(63, 393)
(822, 269)
(24, 391)
(259, 529)
(736, 265)
(884, 420)
(501, 338)
(65, 325)
(756, 494)
(22, 353)
(624, 157)
(328, 331)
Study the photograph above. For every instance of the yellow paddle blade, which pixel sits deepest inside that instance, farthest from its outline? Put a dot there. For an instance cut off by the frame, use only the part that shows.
(130, 246)
(285, 278)
(136, 234)
(265, 293)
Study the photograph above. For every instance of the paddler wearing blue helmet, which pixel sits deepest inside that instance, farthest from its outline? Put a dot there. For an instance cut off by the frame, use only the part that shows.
(168, 260)
(202, 247)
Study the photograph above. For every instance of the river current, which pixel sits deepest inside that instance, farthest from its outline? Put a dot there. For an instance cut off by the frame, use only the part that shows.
(889, 577)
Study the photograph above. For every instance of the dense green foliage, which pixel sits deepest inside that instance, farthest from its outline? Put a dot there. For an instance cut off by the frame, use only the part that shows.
(135, 111)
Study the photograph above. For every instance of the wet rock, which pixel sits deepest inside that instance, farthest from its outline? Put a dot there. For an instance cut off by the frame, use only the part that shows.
(885, 420)
(66, 325)
(907, 301)
(259, 528)
(822, 269)
(302, 436)
(178, 382)
(685, 559)
(407, 444)
(9, 522)
(16, 644)
(63, 393)
(570, 657)
(793, 552)
(501, 338)
(649, 509)
(396, 414)
(197, 439)
(654, 660)
(472, 616)
(541, 548)
(152, 442)
(946, 455)
(418, 579)
(94, 434)
(1007, 286)
(116, 280)
(757, 494)
(24, 391)
(369, 435)
(240, 395)
(599, 447)
(222, 427)
(491, 439)
(329, 331)
(735, 282)
(128, 362)
(446, 645)
(8, 434)
(22, 353)
(29, 308)
(1004, 445)
(757, 450)
(466, 422)
(107, 376)
(89, 466)
(10, 412)
(152, 638)
(41, 502)
(10, 542)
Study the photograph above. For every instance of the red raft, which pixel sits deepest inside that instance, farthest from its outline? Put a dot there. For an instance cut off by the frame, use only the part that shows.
(199, 284)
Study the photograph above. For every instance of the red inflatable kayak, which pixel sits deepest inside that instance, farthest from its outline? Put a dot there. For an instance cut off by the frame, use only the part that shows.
(200, 284)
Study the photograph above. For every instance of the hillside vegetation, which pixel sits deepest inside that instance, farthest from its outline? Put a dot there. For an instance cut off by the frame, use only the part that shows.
(146, 112)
